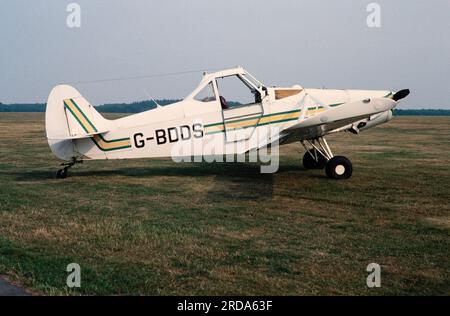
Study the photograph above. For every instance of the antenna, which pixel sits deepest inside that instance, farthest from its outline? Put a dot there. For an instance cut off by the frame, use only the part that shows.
(157, 104)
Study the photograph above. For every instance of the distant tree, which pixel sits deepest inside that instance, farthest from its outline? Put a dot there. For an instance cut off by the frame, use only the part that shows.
(140, 106)
(422, 112)
(134, 107)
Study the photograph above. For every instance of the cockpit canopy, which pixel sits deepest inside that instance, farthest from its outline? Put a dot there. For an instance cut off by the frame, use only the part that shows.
(232, 87)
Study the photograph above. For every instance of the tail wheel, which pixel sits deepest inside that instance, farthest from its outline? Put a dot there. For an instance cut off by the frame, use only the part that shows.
(61, 173)
(339, 167)
(310, 162)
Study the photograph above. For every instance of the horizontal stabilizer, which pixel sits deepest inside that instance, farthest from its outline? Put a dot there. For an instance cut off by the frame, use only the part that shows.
(85, 135)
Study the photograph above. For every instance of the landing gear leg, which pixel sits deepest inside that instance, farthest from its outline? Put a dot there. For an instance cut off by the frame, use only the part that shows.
(63, 172)
(318, 155)
(313, 159)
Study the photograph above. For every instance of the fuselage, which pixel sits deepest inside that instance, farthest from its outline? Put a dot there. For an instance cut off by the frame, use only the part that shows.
(198, 127)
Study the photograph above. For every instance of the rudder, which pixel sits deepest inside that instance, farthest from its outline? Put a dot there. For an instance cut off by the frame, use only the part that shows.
(68, 116)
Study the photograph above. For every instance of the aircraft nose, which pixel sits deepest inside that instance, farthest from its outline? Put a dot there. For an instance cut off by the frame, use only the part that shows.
(384, 104)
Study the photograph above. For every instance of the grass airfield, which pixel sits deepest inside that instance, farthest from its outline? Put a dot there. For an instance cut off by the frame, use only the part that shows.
(156, 227)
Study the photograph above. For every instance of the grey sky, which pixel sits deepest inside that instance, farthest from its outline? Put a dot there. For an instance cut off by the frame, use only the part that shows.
(311, 43)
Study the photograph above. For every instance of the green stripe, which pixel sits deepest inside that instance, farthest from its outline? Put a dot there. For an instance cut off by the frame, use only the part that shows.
(109, 149)
(105, 140)
(268, 115)
(279, 121)
(252, 118)
(215, 132)
(113, 140)
(315, 108)
(259, 124)
(76, 105)
(82, 125)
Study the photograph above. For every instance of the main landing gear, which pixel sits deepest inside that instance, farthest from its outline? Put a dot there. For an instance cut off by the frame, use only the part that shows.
(63, 172)
(319, 156)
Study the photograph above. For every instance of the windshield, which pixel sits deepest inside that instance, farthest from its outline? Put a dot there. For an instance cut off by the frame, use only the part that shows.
(252, 80)
(206, 94)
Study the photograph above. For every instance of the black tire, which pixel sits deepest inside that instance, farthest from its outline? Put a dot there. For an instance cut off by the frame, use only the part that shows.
(61, 174)
(339, 167)
(310, 163)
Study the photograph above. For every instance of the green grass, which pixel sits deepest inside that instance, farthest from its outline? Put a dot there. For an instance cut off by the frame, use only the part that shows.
(158, 227)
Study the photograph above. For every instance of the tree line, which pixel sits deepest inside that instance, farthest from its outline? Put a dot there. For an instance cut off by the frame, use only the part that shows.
(141, 106)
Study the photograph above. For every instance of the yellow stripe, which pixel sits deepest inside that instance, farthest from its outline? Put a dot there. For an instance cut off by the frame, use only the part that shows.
(79, 116)
(314, 112)
(253, 122)
(279, 117)
(106, 146)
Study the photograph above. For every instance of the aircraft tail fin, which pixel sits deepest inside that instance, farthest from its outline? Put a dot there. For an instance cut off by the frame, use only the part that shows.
(69, 116)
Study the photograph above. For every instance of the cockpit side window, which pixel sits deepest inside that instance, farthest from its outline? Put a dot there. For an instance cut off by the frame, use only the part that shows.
(237, 91)
(206, 94)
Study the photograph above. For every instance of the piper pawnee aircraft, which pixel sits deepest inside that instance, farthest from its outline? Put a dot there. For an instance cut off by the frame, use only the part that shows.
(77, 132)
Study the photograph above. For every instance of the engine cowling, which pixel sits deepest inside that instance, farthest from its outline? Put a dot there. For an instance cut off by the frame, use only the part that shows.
(375, 120)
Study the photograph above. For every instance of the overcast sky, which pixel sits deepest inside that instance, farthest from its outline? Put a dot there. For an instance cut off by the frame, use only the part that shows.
(312, 43)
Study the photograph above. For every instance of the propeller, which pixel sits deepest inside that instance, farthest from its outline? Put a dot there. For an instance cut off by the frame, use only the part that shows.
(401, 94)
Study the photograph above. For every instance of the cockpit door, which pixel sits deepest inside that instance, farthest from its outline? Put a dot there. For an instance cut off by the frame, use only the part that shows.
(240, 122)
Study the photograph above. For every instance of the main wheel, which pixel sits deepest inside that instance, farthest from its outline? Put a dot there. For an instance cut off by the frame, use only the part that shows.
(339, 168)
(310, 163)
(61, 173)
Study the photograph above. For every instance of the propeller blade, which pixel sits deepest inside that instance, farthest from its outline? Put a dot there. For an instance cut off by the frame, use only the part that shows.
(401, 94)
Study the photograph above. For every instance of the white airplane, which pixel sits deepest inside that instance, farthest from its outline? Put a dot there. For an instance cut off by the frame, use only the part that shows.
(209, 125)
